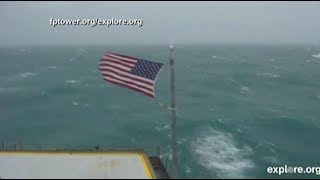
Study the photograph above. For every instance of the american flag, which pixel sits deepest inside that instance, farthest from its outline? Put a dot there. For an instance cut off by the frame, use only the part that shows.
(130, 72)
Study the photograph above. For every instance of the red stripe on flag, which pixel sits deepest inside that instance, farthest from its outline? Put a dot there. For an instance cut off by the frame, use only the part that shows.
(128, 82)
(117, 62)
(129, 61)
(125, 76)
(106, 65)
(122, 57)
(124, 85)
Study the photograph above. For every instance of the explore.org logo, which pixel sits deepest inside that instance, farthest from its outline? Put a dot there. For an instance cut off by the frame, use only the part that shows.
(293, 170)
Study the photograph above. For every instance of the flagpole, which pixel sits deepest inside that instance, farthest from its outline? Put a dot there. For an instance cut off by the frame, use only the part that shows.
(173, 112)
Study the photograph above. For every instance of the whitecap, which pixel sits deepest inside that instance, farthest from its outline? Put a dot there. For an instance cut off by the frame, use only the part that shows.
(158, 128)
(52, 67)
(316, 55)
(271, 159)
(167, 126)
(44, 93)
(163, 127)
(270, 75)
(20, 76)
(214, 57)
(218, 152)
(182, 141)
(27, 74)
(72, 81)
(75, 103)
(188, 169)
(244, 89)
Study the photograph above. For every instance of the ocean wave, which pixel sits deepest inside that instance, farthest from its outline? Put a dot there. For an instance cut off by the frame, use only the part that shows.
(82, 104)
(271, 160)
(82, 51)
(162, 127)
(75, 103)
(19, 76)
(79, 53)
(72, 81)
(27, 74)
(43, 93)
(316, 55)
(9, 89)
(270, 75)
(217, 151)
(244, 89)
(52, 67)
(22, 51)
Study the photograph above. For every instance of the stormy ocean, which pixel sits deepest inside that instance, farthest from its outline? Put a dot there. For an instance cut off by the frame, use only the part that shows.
(241, 108)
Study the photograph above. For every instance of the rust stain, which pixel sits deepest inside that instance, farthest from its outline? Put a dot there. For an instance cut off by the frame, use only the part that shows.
(112, 164)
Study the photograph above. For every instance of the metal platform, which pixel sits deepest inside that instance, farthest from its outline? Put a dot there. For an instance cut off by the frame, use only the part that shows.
(80, 165)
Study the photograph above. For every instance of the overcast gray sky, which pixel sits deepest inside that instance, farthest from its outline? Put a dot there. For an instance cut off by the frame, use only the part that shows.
(24, 23)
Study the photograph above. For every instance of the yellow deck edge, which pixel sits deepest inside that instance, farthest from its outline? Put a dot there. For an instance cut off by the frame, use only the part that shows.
(72, 152)
(147, 166)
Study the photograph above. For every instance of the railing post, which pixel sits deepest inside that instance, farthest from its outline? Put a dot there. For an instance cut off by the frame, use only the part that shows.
(20, 145)
(2, 145)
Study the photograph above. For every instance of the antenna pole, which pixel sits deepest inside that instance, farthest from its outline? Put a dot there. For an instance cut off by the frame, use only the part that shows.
(173, 111)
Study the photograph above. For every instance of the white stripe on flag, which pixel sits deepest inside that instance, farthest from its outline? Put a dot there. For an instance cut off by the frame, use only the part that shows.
(128, 79)
(126, 73)
(114, 59)
(122, 58)
(129, 85)
(116, 65)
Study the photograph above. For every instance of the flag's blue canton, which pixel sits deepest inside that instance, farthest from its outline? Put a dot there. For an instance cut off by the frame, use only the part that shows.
(146, 69)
